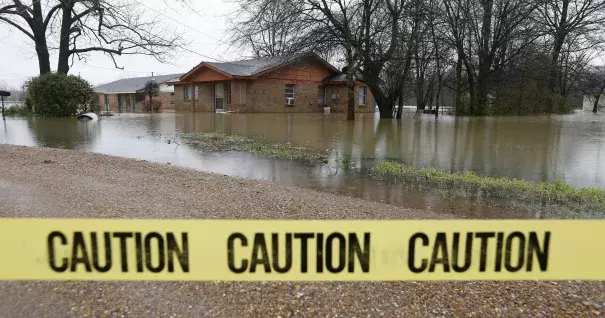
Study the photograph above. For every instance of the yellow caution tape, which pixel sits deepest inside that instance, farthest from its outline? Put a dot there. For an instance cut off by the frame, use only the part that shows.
(348, 250)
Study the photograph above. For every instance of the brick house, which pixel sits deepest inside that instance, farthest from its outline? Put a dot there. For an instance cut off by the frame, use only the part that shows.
(299, 83)
(126, 95)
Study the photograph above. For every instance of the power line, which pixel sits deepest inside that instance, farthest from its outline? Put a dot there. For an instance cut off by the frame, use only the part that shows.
(187, 26)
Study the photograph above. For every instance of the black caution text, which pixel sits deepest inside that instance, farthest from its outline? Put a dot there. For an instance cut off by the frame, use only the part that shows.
(482, 251)
(317, 252)
(130, 251)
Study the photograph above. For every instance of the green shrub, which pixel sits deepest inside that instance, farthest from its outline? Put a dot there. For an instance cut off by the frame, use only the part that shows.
(21, 110)
(523, 98)
(61, 95)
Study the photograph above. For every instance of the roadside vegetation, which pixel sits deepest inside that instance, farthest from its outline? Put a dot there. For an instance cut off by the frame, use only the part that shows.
(60, 95)
(19, 110)
(226, 142)
(472, 184)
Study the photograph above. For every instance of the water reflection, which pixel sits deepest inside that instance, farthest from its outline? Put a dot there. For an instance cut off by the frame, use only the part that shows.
(539, 148)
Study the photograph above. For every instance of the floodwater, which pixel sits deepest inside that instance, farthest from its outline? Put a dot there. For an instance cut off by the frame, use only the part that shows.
(538, 148)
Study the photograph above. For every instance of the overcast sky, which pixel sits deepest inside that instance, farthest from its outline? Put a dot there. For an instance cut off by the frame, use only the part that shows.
(205, 30)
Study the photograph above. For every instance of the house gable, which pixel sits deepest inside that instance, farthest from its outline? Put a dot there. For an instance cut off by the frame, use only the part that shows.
(307, 70)
(205, 73)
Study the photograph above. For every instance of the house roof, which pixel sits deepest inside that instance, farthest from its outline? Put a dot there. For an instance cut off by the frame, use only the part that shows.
(134, 84)
(253, 67)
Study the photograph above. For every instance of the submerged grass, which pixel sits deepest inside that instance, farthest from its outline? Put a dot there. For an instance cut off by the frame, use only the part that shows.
(470, 183)
(18, 110)
(224, 142)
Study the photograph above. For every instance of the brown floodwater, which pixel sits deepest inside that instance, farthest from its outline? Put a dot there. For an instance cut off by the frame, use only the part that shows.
(537, 148)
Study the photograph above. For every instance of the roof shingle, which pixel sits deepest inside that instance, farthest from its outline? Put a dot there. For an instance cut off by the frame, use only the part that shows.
(132, 85)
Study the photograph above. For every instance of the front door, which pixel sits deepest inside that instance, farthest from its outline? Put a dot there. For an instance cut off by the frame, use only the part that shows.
(219, 96)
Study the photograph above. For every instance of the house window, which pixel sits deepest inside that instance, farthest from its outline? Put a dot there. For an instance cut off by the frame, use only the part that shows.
(241, 93)
(106, 102)
(321, 95)
(289, 90)
(139, 97)
(196, 90)
(186, 92)
(228, 92)
(335, 93)
(362, 96)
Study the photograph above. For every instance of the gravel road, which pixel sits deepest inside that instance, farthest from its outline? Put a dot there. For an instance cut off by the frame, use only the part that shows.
(42, 182)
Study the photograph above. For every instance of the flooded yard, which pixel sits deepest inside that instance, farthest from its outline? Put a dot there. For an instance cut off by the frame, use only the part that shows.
(546, 148)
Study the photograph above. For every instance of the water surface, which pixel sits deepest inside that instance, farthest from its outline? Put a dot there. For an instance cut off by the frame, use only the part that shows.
(539, 148)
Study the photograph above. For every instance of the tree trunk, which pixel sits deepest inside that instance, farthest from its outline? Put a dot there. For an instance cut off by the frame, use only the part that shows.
(350, 85)
(458, 100)
(350, 96)
(385, 105)
(485, 59)
(597, 97)
(39, 32)
(43, 56)
(63, 63)
(559, 39)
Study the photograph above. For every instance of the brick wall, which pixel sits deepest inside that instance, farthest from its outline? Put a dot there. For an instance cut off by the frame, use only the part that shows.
(269, 97)
(340, 105)
(113, 102)
(202, 104)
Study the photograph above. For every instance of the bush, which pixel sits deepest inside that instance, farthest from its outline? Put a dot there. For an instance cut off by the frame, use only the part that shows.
(526, 98)
(156, 104)
(61, 95)
(20, 110)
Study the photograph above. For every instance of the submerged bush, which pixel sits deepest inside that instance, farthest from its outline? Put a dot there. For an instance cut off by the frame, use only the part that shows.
(499, 187)
(155, 104)
(525, 97)
(61, 95)
(20, 110)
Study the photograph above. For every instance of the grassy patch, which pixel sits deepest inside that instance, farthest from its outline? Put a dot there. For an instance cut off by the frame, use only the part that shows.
(21, 110)
(225, 142)
(469, 183)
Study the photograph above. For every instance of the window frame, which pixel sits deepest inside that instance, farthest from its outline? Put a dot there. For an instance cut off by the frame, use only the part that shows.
(186, 92)
(241, 93)
(227, 91)
(286, 90)
(321, 98)
(365, 96)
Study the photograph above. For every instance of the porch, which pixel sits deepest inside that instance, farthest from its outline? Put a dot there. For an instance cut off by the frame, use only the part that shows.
(215, 96)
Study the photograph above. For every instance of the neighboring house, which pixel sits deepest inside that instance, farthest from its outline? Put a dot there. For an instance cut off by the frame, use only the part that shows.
(299, 83)
(126, 95)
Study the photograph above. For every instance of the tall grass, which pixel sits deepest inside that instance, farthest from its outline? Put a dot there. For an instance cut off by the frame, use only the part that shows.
(17, 110)
(471, 183)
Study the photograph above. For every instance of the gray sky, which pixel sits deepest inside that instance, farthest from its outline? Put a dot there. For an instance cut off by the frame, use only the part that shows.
(204, 29)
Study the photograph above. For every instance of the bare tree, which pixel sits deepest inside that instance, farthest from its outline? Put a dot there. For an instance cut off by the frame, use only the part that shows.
(593, 84)
(564, 18)
(78, 27)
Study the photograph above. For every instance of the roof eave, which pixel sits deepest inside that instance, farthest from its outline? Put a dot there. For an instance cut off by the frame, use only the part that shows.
(201, 65)
(293, 60)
